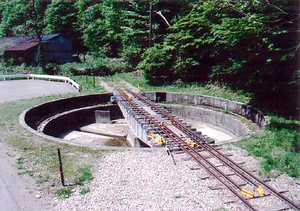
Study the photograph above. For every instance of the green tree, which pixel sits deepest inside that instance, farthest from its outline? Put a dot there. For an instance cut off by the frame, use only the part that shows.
(14, 16)
(62, 16)
(103, 27)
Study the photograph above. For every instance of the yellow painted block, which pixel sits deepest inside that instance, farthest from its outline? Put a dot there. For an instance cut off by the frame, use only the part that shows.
(260, 191)
(161, 140)
(247, 193)
(152, 136)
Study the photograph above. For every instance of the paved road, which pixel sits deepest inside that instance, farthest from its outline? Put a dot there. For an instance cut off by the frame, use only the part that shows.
(14, 191)
(16, 194)
(25, 89)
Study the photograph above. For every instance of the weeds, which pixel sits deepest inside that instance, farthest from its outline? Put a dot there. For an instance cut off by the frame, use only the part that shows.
(41, 180)
(63, 192)
(84, 191)
(215, 90)
(20, 161)
(29, 172)
(84, 174)
(88, 84)
(277, 146)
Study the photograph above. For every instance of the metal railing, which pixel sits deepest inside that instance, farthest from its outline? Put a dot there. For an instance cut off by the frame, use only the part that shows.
(44, 77)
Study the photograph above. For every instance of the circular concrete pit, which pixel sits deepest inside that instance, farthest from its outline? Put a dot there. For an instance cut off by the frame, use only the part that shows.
(92, 121)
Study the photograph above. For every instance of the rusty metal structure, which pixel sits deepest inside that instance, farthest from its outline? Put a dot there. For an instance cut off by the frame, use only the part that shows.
(55, 48)
(155, 126)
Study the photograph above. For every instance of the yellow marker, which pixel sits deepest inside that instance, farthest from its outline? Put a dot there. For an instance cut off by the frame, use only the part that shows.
(191, 142)
(152, 136)
(169, 122)
(260, 191)
(188, 141)
(161, 140)
(194, 144)
(247, 193)
(139, 88)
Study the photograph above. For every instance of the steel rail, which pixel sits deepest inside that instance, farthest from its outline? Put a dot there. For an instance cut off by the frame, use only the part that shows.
(219, 175)
(195, 137)
(225, 160)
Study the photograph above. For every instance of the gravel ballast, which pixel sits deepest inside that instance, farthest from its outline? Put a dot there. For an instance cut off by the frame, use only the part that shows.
(148, 180)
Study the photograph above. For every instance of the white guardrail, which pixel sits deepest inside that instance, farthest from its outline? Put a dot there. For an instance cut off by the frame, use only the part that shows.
(46, 77)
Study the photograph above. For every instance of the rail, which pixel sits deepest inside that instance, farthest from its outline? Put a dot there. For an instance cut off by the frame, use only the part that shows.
(45, 77)
(180, 142)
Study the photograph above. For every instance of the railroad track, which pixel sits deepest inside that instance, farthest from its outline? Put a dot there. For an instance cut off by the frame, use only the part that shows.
(175, 134)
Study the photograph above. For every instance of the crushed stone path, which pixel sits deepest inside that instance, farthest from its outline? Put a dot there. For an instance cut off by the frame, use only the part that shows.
(148, 180)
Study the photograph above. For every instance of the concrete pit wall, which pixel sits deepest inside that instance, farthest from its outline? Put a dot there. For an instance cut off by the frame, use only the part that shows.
(75, 119)
(39, 113)
(236, 107)
(68, 114)
(208, 116)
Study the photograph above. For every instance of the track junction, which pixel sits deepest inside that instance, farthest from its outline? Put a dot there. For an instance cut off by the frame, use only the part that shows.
(155, 126)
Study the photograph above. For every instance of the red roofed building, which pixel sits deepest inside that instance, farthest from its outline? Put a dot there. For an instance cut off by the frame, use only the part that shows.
(55, 49)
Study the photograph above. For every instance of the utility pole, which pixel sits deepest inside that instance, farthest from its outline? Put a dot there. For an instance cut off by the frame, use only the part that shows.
(150, 25)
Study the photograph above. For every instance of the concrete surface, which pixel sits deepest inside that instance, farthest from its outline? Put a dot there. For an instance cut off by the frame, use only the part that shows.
(99, 134)
(218, 134)
(215, 102)
(25, 89)
(221, 120)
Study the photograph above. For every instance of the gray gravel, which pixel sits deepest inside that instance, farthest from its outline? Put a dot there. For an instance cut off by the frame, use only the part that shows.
(147, 180)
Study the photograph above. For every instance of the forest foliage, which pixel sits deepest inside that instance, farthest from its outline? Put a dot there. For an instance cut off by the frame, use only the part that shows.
(251, 45)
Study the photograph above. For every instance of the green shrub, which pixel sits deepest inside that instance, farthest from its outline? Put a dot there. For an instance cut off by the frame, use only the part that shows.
(132, 55)
(95, 67)
(156, 66)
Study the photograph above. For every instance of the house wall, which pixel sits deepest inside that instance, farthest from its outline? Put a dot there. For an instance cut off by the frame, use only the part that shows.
(58, 50)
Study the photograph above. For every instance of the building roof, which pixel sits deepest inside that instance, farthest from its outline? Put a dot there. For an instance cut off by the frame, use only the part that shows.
(22, 43)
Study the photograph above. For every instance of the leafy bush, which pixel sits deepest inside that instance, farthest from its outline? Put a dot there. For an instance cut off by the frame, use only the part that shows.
(96, 67)
(156, 66)
(132, 55)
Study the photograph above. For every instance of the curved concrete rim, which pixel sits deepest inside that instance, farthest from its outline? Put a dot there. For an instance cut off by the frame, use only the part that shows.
(61, 141)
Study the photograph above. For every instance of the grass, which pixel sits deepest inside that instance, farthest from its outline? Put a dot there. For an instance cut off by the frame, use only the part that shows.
(20, 161)
(84, 174)
(29, 172)
(88, 84)
(41, 180)
(84, 191)
(215, 90)
(37, 156)
(63, 192)
(278, 147)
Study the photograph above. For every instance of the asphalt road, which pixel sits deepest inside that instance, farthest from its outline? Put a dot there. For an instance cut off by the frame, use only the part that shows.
(25, 89)
(15, 191)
